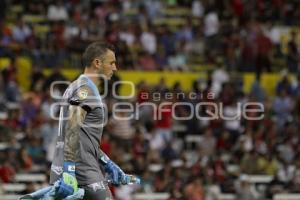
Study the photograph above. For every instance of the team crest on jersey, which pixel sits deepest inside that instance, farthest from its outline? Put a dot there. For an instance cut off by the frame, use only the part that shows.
(83, 93)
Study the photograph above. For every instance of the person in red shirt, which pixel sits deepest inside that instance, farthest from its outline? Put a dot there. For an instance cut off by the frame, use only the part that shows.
(238, 7)
(195, 190)
(26, 162)
(147, 62)
(263, 49)
(105, 145)
(7, 172)
(164, 121)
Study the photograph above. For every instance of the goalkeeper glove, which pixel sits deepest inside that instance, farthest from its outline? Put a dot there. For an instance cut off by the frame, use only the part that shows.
(116, 175)
(131, 179)
(67, 183)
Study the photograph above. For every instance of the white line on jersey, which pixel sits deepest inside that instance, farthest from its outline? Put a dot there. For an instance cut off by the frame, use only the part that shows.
(61, 116)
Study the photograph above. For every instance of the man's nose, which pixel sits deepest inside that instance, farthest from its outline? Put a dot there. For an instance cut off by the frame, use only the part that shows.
(114, 67)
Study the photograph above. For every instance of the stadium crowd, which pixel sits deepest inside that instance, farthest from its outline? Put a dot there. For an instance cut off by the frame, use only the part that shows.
(149, 36)
(243, 33)
(158, 151)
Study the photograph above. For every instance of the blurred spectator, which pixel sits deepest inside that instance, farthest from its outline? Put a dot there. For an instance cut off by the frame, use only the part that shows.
(185, 33)
(35, 150)
(208, 144)
(121, 129)
(219, 77)
(211, 29)
(286, 151)
(48, 132)
(293, 54)
(245, 190)
(284, 84)
(233, 113)
(296, 178)
(148, 40)
(296, 87)
(195, 190)
(154, 8)
(164, 118)
(12, 91)
(249, 163)
(268, 164)
(146, 62)
(105, 145)
(156, 141)
(263, 50)
(167, 39)
(286, 173)
(245, 141)
(178, 60)
(57, 11)
(140, 145)
(7, 172)
(127, 35)
(257, 92)
(197, 9)
(21, 31)
(211, 23)
(168, 153)
(283, 106)
(25, 160)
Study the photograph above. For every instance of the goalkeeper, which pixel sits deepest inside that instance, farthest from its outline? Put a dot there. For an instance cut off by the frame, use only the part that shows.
(77, 157)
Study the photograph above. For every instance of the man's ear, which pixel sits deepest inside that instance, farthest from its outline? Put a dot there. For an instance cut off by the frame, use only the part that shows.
(97, 63)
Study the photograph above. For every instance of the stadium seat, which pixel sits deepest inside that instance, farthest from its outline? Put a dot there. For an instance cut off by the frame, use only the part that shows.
(233, 169)
(175, 12)
(151, 196)
(3, 145)
(24, 65)
(10, 197)
(224, 196)
(260, 179)
(191, 139)
(34, 19)
(30, 178)
(179, 128)
(4, 62)
(200, 67)
(155, 167)
(12, 106)
(41, 30)
(192, 157)
(37, 168)
(16, 9)
(13, 187)
(286, 197)
(131, 12)
(172, 22)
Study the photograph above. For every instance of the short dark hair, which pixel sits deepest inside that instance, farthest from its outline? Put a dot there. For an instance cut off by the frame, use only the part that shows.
(94, 50)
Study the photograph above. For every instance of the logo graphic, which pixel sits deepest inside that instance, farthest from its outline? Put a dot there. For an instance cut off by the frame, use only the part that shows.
(71, 168)
(83, 93)
(196, 105)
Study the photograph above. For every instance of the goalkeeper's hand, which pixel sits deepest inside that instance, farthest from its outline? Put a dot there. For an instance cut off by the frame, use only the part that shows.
(67, 184)
(116, 174)
(131, 179)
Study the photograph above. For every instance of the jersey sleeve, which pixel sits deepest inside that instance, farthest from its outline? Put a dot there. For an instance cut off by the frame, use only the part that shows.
(84, 97)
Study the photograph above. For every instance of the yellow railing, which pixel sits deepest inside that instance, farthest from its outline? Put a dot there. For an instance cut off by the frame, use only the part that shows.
(268, 81)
